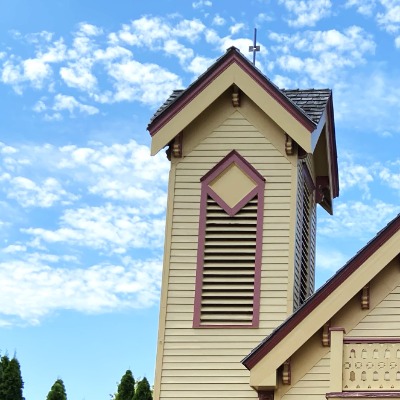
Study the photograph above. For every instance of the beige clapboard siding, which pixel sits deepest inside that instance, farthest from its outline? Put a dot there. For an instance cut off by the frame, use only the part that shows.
(383, 320)
(196, 352)
(314, 384)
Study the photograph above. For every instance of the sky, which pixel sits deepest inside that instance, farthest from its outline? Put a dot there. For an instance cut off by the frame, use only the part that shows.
(83, 203)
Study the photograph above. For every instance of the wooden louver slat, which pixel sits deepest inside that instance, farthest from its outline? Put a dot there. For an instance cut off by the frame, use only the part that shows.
(229, 265)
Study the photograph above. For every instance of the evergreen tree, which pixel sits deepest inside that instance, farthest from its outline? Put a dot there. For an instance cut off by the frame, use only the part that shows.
(126, 388)
(143, 391)
(11, 384)
(57, 391)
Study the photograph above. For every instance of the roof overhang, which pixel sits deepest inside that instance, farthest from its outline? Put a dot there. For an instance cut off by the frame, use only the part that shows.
(232, 69)
(297, 329)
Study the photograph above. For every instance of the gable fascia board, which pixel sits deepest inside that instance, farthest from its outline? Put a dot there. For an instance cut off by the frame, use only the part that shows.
(325, 303)
(285, 117)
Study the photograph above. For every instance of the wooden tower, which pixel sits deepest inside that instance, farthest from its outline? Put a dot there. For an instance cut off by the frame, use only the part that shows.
(249, 163)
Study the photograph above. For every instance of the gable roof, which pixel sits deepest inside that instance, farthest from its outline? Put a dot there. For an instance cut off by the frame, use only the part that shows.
(321, 294)
(302, 114)
(312, 102)
(179, 99)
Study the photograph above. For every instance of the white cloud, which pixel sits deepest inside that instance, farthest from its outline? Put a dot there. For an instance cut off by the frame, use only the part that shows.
(322, 55)
(378, 116)
(355, 175)
(307, 12)
(36, 71)
(202, 3)
(199, 64)
(330, 260)
(364, 7)
(69, 103)
(100, 288)
(30, 194)
(89, 29)
(111, 228)
(386, 13)
(389, 18)
(236, 28)
(78, 75)
(148, 83)
(389, 177)
(357, 219)
(218, 20)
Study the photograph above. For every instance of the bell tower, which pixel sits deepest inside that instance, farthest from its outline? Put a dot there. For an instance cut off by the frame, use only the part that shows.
(249, 164)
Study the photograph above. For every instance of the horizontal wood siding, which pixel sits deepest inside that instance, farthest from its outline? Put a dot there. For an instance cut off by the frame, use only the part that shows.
(205, 363)
(314, 385)
(383, 320)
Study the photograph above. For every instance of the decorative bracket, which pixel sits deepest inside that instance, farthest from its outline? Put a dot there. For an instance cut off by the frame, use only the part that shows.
(235, 96)
(176, 147)
(289, 145)
(326, 337)
(286, 373)
(265, 395)
(322, 193)
(365, 297)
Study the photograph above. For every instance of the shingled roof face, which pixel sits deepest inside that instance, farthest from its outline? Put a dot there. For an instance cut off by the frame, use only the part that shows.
(311, 101)
(173, 96)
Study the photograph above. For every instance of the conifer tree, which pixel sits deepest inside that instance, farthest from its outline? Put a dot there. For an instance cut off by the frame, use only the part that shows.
(126, 388)
(57, 391)
(11, 384)
(143, 391)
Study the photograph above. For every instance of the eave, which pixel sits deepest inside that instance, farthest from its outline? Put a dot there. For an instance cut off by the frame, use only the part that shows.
(297, 329)
(232, 68)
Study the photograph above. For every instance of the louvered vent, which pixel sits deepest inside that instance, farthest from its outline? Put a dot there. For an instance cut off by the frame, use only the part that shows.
(229, 265)
(305, 246)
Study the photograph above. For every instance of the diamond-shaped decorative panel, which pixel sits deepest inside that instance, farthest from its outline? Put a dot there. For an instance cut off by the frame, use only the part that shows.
(232, 185)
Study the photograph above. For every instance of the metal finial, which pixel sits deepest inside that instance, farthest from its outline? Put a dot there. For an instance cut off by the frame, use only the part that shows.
(254, 48)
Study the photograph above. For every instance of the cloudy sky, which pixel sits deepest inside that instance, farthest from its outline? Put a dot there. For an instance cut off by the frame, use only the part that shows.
(82, 201)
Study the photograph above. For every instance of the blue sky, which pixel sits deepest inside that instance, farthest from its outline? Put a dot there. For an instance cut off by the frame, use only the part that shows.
(82, 201)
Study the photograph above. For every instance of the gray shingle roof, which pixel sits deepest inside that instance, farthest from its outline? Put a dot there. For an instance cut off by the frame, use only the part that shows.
(311, 101)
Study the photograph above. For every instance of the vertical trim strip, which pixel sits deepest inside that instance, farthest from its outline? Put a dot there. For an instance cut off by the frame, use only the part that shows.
(258, 191)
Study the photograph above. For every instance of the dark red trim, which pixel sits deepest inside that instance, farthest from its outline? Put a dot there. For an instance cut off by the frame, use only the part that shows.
(321, 294)
(350, 340)
(265, 395)
(232, 158)
(332, 149)
(232, 56)
(226, 161)
(385, 394)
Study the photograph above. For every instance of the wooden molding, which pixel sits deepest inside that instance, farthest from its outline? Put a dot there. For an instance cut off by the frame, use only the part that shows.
(289, 145)
(365, 297)
(176, 146)
(286, 373)
(370, 394)
(235, 96)
(326, 337)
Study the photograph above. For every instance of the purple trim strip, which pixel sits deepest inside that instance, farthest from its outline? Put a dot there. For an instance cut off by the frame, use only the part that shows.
(378, 395)
(229, 210)
(350, 340)
(226, 161)
(246, 167)
(200, 256)
(232, 56)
